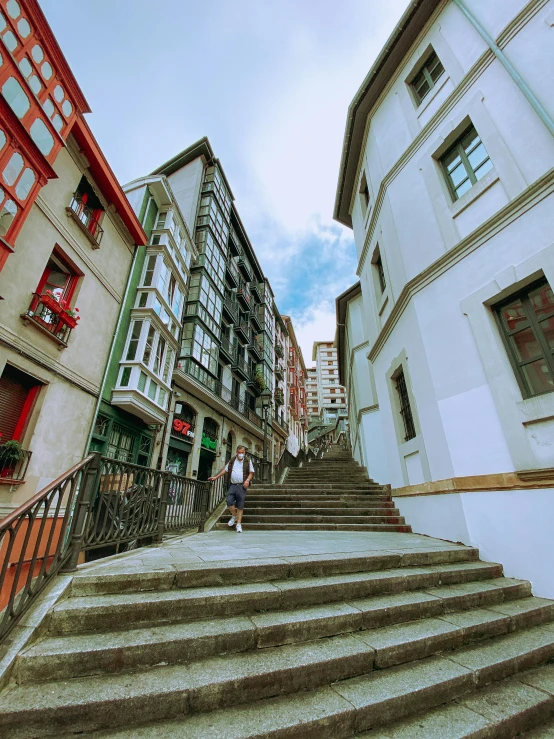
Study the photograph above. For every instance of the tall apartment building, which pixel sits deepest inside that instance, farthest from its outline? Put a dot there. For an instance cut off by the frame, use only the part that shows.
(331, 395)
(446, 179)
(312, 394)
(297, 399)
(68, 237)
(225, 356)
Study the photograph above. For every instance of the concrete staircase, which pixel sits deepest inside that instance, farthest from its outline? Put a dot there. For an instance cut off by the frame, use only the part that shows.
(417, 643)
(329, 494)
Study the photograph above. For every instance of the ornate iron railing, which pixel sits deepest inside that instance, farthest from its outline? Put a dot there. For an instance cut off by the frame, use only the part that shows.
(85, 217)
(37, 540)
(15, 470)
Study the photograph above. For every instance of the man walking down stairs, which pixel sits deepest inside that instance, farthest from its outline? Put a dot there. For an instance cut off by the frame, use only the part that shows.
(332, 631)
(329, 494)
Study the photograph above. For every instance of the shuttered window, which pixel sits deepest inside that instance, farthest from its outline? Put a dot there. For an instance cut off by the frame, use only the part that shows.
(15, 387)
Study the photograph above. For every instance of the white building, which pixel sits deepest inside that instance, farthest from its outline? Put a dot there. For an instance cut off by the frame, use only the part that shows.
(446, 179)
(312, 394)
(331, 395)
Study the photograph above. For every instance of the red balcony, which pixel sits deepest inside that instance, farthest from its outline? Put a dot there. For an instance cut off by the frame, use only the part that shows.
(51, 317)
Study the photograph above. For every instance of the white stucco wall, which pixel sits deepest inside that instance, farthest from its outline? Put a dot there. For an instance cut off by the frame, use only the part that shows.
(511, 527)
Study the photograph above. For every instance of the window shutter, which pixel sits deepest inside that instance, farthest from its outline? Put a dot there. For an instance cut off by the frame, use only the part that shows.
(13, 393)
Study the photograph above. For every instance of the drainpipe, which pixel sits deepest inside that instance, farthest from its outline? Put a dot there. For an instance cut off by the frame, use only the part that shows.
(509, 67)
(112, 346)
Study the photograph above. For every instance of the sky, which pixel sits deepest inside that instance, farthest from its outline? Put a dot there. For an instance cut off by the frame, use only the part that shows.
(269, 82)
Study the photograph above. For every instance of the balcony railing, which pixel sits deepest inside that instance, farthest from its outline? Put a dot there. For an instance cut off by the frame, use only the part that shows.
(282, 423)
(256, 288)
(232, 308)
(226, 349)
(242, 330)
(279, 351)
(256, 348)
(257, 319)
(243, 295)
(14, 468)
(232, 272)
(84, 216)
(245, 266)
(188, 366)
(279, 370)
(240, 365)
(46, 312)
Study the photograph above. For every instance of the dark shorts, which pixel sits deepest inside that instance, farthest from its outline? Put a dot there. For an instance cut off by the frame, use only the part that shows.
(236, 496)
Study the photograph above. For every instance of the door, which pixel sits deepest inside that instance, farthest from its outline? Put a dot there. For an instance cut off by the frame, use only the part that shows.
(205, 464)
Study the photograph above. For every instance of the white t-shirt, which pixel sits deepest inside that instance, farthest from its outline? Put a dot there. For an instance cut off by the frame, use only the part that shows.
(237, 477)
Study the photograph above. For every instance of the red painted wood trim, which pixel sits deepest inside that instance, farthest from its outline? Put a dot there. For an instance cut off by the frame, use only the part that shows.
(26, 411)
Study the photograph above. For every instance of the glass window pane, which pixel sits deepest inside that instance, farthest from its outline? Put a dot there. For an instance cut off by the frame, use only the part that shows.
(48, 106)
(13, 169)
(57, 120)
(23, 27)
(59, 93)
(42, 137)
(46, 70)
(37, 53)
(542, 301)
(15, 97)
(67, 108)
(10, 40)
(548, 330)
(25, 184)
(12, 6)
(2, 140)
(477, 156)
(35, 84)
(483, 169)
(3, 23)
(25, 66)
(133, 342)
(463, 188)
(526, 344)
(458, 175)
(513, 316)
(452, 160)
(538, 377)
(7, 214)
(470, 140)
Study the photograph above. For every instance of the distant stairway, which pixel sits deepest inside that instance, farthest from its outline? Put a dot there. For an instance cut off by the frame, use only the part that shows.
(329, 494)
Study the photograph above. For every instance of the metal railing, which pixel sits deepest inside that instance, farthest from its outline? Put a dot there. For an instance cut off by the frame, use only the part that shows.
(48, 315)
(37, 540)
(100, 504)
(15, 470)
(84, 215)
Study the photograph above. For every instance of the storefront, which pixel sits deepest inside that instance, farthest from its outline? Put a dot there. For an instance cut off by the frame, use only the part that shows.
(208, 449)
(181, 439)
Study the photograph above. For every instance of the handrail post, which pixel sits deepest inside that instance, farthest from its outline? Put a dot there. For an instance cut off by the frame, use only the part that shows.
(166, 486)
(205, 507)
(82, 505)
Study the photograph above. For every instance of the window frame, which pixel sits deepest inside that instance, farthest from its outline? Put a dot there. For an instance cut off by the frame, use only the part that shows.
(404, 405)
(470, 172)
(423, 69)
(534, 324)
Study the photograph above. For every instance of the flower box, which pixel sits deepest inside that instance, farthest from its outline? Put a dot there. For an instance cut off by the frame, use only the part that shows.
(51, 303)
(70, 321)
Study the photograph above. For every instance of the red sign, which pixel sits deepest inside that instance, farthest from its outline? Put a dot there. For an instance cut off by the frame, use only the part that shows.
(182, 427)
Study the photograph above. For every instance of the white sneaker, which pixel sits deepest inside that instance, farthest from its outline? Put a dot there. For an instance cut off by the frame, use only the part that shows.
(239, 528)
(231, 522)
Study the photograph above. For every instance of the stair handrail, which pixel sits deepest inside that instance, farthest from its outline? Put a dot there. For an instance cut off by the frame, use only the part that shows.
(40, 538)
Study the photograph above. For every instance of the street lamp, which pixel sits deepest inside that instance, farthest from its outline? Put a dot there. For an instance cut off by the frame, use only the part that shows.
(265, 397)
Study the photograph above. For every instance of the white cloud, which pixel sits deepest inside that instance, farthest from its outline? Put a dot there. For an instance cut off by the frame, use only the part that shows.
(318, 324)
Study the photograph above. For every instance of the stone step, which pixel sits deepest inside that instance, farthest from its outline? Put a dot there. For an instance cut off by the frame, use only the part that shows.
(316, 516)
(236, 572)
(351, 706)
(99, 612)
(377, 527)
(314, 508)
(315, 493)
(81, 655)
(504, 709)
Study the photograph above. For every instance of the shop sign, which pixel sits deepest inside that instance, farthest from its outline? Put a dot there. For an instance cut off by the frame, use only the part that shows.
(182, 428)
(209, 443)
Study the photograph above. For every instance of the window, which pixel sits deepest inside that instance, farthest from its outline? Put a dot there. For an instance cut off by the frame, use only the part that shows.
(405, 408)
(465, 163)
(134, 340)
(149, 272)
(120, 444)
(364, 193)
(526, 322)
(427, 77)
(149, 344)
(379, 270)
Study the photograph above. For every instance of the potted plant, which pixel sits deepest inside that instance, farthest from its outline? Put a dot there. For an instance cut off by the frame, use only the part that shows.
(259, 382)
(50, 301)
(69, 315)
(11, 452)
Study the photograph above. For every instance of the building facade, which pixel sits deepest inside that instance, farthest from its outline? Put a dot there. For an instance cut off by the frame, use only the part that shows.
(296, 394)
(446, 179)
(312, 395)
(137, 391)
(331, 395)
(67, 241)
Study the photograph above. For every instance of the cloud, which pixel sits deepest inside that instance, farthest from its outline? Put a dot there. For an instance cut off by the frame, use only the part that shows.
(316, 324)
